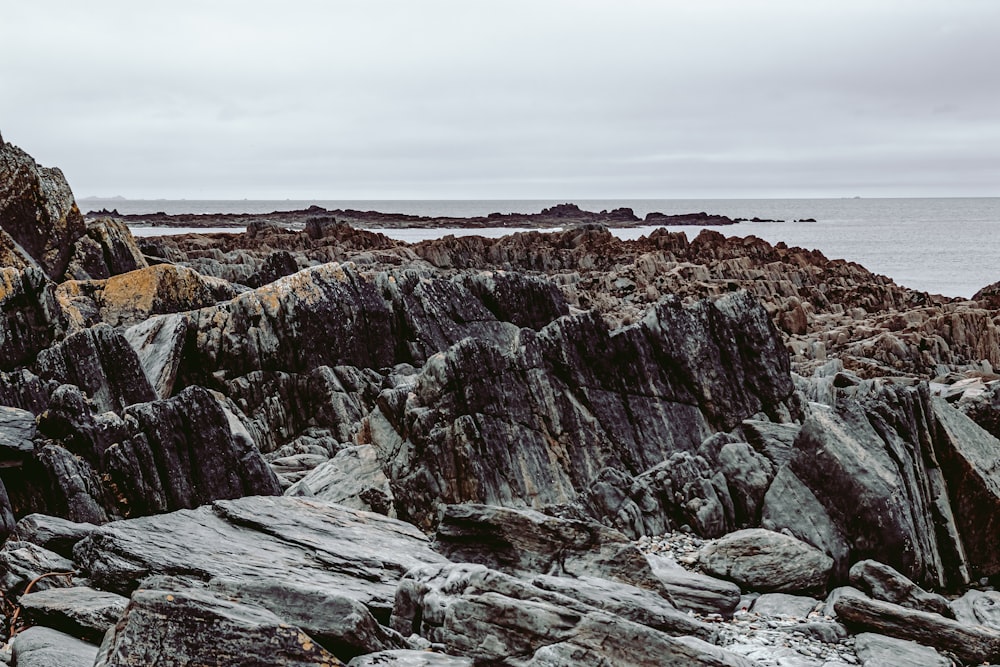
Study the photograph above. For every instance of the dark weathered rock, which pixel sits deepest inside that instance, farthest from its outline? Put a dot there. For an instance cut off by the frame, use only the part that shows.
(971, 643)
(192, 627)
(107, 249)
(37, 210)
(45, 647)
(525, 541)
(884, 583)
(80, 611)
(53, 533)
(693, 591)
(577, 399)
(306, 543)
(30, 316)
(489, 616)
(762, 560)
(101, 362)
(21, 563)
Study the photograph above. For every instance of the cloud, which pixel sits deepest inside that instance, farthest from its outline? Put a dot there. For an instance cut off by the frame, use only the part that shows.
(487, 99)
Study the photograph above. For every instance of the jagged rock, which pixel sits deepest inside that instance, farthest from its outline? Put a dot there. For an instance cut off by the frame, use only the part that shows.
(70, 486)
(30, 316)
(694, 591)
(53, 533)
(880, 651)
(99, 361)
(977, 608)
(577, 398)
(884, 583)
(353, 478)
(762, 560)
(25, 390)
(37, 210)
(158, 456)
(192, 627)
(80, 611)
(489, 616)
(107, 249)
(22, 563)
(989, 296)
(305, 542)
(158, 343)
(45, 647)
(17, 430)
(525, 541)
(338, 623)
(129, 298)
(408, 658)
(975, 644)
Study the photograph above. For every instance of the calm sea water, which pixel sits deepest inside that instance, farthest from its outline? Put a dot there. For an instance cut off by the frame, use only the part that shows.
(945, 246)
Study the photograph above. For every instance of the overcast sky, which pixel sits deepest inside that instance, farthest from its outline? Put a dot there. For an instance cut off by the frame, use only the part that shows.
(461, 99)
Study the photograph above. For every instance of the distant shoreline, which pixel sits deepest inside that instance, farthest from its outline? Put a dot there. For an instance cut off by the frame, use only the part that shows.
(560, 215)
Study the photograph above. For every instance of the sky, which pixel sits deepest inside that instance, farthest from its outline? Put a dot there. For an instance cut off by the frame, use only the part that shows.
(476, 99)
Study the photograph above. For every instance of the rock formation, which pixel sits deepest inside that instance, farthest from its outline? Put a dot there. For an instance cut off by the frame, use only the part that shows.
(333, 447)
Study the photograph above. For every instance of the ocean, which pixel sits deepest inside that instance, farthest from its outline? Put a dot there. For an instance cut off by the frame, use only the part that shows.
(948, 246)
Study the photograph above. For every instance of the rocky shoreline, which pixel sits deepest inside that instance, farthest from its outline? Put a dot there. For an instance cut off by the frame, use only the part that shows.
(322, 446)
(561, 215)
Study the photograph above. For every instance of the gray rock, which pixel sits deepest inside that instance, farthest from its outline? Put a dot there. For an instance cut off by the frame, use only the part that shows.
(353, 477)
(158, 343)
(80, 611)
(30, 314)
(884, 583)
(748, 475)
(629, 602)
(693, 591)
(828, 632)
(340, 624)
(45, 647)
(407, 658)
(763, 560)
(488, 616)
(975, 644)
(880, 651)
(52, 532)
(978, 608)
(22, 563)
(783, 604)
(304, 542)
(17, 430)
(175, 628)
(525, 541)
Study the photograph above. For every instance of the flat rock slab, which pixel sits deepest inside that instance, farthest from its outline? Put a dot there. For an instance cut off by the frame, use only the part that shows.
(766, 561)
(180, 628)
(45, 647)
(52, 532)
(80, 611)
(406, 658)
(881, 651)
(17, 428)
(304, 542)
(693, 591)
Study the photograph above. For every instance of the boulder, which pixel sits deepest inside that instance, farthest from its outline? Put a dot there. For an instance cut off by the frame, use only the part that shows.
(107, 249)
(80, 611)
(525, 541)
(23, 564)
(884, 583)
(783, 604)
(762, 560)
(976, 644)
(174, 628)
(880, 651)
(353, 478)
(694, 591)
(30, 315)
(45, 647)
